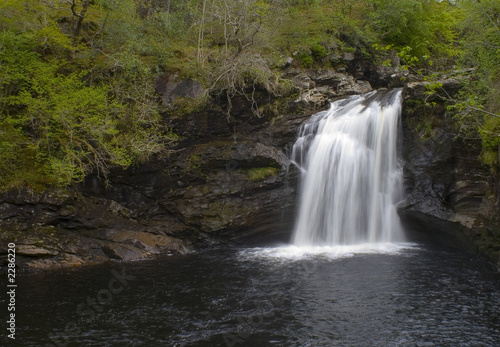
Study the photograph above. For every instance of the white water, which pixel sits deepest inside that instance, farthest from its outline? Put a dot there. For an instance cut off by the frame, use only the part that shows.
(351, 175)
(297, 253)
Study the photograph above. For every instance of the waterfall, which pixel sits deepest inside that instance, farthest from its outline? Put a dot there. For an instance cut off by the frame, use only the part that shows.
(351, 176)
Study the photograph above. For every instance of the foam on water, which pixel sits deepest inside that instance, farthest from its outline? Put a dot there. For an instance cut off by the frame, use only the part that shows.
(295, 253)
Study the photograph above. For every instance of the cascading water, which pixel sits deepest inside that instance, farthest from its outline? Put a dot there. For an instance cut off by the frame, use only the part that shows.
(351, 175)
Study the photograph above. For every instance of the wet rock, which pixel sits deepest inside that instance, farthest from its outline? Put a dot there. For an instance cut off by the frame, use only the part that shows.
(443, 177)
(152, 244)
(316, 97)
(319, 86)
(8, 211)
(417, 90)
(301, 79)
(34, 251)
(67, 260)
(326, 77)
(119, 251)
(348, 56)
(363, 86)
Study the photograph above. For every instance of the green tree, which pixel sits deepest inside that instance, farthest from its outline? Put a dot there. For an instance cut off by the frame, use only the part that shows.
(479, 102)
(65, 126)
(428, 27)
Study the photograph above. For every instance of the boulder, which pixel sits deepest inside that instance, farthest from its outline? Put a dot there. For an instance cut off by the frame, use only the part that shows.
(170, 87)
(34, 251)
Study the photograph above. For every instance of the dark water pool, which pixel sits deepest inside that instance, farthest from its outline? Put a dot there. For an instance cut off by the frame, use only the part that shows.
(421, 295)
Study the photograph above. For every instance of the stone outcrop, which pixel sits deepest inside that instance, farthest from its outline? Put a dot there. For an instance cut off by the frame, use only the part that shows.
(67, 228)
(319, 86)
(170, 87)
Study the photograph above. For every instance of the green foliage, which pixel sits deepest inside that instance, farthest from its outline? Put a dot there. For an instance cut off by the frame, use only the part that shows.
(478, 103)
(305, 59)
(318, 51)
(426, 27)
(314, 53)
(56, 127)
(481, 37)
(490, 135)
(465, 33)
(19, 163)
(77, 77)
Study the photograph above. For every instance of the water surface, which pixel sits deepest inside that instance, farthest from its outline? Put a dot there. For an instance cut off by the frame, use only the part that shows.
(406, 295)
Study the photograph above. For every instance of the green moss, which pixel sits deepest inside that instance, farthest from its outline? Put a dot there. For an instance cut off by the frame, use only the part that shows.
(489, 157)
(194, 165)
(489, 244)
(183, 106)
(261, 173)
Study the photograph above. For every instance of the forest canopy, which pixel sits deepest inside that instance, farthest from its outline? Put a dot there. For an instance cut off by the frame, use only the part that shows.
(77, 76)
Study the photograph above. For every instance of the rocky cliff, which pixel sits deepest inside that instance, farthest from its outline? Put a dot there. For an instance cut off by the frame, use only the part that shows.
(229, 180)
(447, 188)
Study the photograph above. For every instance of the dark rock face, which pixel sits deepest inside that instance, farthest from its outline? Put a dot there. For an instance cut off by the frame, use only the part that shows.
(443, 176)
(379, 76)
(447, 187)
(229, 180)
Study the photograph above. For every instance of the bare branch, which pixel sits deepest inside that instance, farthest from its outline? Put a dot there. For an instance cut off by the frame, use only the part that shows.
(489, 17)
